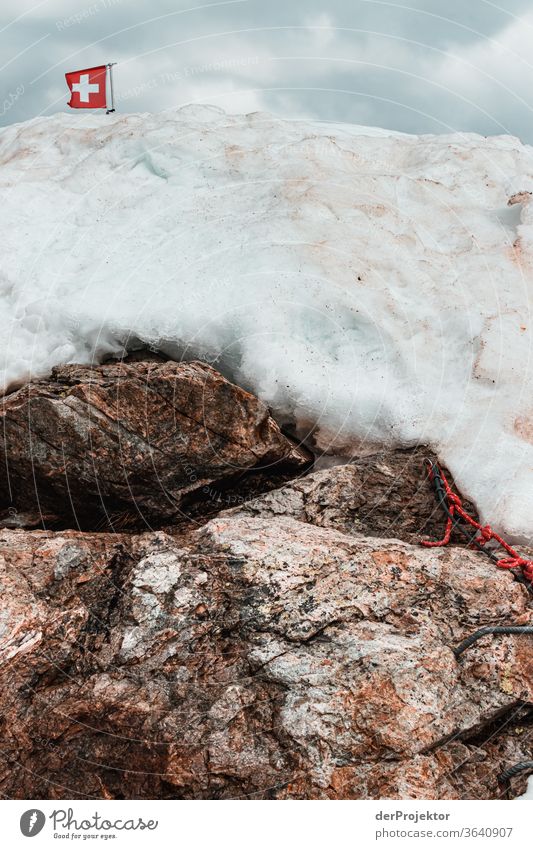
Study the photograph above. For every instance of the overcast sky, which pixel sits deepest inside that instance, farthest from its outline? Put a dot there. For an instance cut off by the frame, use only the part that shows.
(417, 66)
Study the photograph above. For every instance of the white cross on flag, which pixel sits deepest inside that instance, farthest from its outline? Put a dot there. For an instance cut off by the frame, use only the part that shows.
(87, 88)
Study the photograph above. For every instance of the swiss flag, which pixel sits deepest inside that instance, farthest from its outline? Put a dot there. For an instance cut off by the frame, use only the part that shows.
(87, 88)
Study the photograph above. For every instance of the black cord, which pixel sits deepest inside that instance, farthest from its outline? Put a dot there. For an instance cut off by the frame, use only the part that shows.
(491, 629)
(457, 522)
(523, 766)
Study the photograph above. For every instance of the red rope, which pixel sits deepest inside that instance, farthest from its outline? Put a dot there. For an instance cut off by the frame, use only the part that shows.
(455, 508)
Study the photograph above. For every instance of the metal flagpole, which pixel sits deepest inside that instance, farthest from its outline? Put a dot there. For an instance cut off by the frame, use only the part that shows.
(111, 94)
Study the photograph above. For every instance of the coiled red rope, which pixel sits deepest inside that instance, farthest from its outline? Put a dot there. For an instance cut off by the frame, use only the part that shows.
(456, 512)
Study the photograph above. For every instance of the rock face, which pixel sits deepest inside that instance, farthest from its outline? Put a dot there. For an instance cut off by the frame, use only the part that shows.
(137, 437)
(262, 657)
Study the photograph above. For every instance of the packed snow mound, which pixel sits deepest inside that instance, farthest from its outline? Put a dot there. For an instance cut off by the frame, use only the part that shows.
(373, 288)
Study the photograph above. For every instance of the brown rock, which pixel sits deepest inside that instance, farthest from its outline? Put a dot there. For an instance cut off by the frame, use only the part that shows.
(263, 658)
(387, 494)
(137, 437)
(456, 770)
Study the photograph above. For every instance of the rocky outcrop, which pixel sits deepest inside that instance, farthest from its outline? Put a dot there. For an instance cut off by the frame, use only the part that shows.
(137, 437)
(259, 657)
(298, 646)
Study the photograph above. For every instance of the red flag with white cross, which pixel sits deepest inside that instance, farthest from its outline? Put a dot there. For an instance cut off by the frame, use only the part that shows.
(88, 88)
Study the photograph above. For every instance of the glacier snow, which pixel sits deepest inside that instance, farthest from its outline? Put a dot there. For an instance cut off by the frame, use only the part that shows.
(373, 288)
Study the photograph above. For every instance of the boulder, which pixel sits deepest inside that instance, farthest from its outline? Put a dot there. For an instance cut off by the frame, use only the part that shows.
(386, 494)
(256, 657)
(137, 437)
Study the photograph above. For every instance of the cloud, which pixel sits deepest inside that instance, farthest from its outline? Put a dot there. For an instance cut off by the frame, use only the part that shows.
(321, 31)
(496, 75)
(416, 65)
